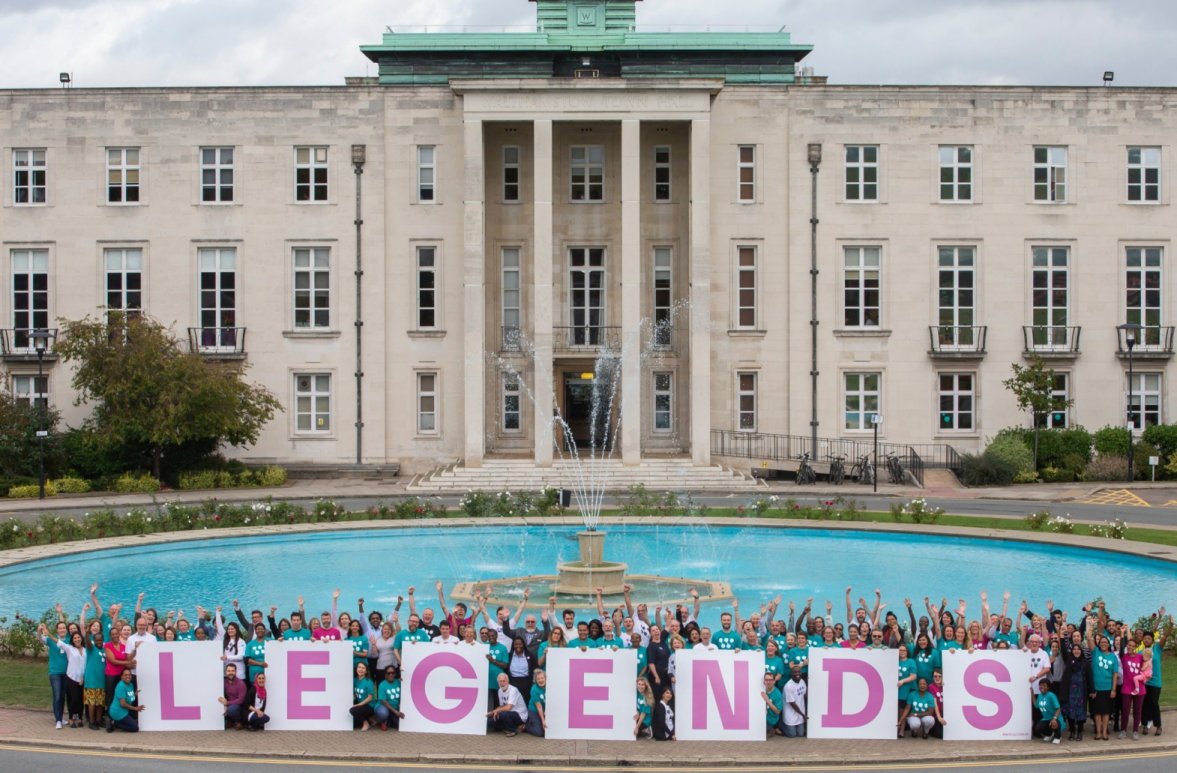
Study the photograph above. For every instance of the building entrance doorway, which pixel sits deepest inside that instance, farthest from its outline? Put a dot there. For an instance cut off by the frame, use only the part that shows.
(590, 407)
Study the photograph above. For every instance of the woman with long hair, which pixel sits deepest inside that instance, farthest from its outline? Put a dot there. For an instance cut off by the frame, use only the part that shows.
(1074, 687)
(1105, 677)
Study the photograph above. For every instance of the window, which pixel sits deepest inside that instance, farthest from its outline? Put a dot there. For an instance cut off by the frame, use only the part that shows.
(216, 175)
(28, 176)
(312, 287)
(218, 298)
(588, 173)
(662, 173)
(30, 295)
(746, 401)
(956, 173)
(862, 172)
(122, 175)
(512, 300)
(31, 390)
(586, 298)
(426, 172)
(312, 398)
(746, 287)
(1060, 395)
(310, 174)
(427, 403)
(1142, 304)
(1144, 174)
(663, 298)
(746, 167)
(1050, 174)
(664, 402)
(1049, 307)
(862, 400)
(860, 284)
(1144, 402)
(512, 416)
(511, 173)
(958, 401)
(426, 287)
(124, 280)
(956, 286)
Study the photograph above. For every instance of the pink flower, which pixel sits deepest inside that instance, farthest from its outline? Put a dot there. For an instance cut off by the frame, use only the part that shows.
(216, 517)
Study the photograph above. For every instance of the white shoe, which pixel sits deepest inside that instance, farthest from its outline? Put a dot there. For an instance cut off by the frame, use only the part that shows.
(1135, 736)
(1122, 735)
(1057, 740)
(59, 724)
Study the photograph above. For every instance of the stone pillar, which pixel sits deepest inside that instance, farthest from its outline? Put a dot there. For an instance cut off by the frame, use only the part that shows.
(474, 296)
(541, 290)
(631, 292)
(700, 309)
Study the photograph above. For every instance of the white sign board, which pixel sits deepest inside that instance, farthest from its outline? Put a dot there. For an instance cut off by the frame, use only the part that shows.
(853, 693)
(309, 685)
(444, 688)
(717, 696)
(591, 695)
(985, 695)
(179, 684)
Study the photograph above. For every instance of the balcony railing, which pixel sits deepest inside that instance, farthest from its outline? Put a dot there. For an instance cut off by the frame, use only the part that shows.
(1154, 342)
(586, 338)
(957, 341)
(1051, 340)
(16, 345)
(223, 342)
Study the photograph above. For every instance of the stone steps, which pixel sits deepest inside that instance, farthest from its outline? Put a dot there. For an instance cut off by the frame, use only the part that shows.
(522, 474)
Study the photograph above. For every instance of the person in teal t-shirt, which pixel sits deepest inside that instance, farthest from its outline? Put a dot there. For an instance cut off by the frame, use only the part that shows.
(1052, 723)
(358, 641)
(500, 660)
(774, 664)
(94, 680)
(57, 665)
(297, 631)
(537, 705)
(1152, 687)
(388, 700)
(1105, 678)
(907, 676)
(414, 633)
(921, 712)
(363, 693)
(799, 653)
(645, 709)
(726, 638)
(255, 653)
(773, 705)
(124, 712)
(927, 658)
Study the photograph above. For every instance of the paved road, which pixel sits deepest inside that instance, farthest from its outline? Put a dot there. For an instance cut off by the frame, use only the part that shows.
(49, 761)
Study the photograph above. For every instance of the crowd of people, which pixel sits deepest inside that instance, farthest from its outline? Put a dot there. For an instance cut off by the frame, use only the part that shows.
(1087, 668)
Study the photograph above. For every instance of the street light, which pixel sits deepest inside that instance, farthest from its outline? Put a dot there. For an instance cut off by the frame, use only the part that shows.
(40, 340)
(875, 420)
(1130, 331)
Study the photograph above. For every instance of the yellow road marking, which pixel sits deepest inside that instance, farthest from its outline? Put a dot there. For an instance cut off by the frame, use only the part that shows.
(1116, 496)
(238, 760)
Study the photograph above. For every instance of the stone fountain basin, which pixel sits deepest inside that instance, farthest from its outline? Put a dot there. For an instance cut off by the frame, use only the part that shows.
(652, 589)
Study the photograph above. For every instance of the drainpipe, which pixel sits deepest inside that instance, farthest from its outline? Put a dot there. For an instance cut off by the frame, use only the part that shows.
(358, 158)
(814, 156)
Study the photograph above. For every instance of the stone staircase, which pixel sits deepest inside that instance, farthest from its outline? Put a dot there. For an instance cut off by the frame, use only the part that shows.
(523, 475)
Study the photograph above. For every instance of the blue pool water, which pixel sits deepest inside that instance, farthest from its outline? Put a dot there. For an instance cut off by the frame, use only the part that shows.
(758, 562)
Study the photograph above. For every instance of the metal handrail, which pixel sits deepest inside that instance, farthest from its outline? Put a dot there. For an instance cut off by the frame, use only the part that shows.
(958, 338)
(581, 338)
(217, 340)
(17, 342)
(1152, 338)
(1051, 338)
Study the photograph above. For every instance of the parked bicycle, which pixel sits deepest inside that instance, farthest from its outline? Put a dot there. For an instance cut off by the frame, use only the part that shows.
(863, 471)
(895, 469)
(805, 473)
(837, 471)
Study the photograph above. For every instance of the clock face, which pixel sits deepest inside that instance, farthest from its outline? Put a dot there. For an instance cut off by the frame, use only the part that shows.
(586, 16)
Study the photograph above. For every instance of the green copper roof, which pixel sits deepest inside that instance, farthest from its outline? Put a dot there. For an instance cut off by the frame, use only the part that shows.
(601, 32)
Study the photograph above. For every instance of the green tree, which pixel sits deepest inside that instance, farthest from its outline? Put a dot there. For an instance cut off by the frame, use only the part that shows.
(146, 389)
(1033, 387)
(19, 422)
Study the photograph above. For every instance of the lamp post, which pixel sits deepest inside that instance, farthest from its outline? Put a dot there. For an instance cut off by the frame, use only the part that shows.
(875, 420)
(1130, 329)
(813, 155)
(40, 340)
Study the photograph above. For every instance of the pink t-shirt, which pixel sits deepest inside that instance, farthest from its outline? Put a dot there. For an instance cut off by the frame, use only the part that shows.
(327, 634)
(860, 644)
(119, 651)
(1132, 665)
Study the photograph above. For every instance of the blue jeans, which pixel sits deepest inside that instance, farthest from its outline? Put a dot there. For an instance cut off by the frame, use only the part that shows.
(384, 716)
(57, 683)
(795, 731)
(535, 725)
(508, 722)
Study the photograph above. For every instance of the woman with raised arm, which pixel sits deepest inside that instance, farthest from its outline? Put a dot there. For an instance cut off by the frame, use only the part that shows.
(1105, 678)
(1155, 643)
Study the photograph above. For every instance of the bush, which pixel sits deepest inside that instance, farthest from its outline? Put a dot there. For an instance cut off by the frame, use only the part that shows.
(1163, 437)
(1057, 475)
(1037, 521)
(32, 491)
(271, 477)
(1026, 476)
(72, 485)
(1109, 529)
(1106, 467)
(1112, 441)
(1141, 451)
(1011, 449)
(986, 470)
(197, 479)
(136, 484)
(1061, 524)
(1057, 446)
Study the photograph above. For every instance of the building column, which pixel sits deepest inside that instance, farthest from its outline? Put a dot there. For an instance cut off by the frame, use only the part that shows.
(700, 277)
(541, 290)
(631, 292)
(474, 296)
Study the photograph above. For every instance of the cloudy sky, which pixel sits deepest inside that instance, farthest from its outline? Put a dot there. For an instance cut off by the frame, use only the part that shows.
(248, 42)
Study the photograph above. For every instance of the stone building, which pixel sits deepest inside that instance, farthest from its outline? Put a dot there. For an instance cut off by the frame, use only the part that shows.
(429, 265)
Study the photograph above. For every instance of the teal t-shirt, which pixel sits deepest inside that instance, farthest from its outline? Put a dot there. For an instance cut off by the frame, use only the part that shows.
(188, 635)
(405, 636)
(782, 643)
(645, 710)
(772, 710)
(617, 642)
(363, 688)
(925, 664)
(1157, 652)
(774, 666)
(1104, 667)
(302, 634)
(539, 697)
(390, 693)
(255, 650)
(358, 644)
(906, 669)
(539, 654)
(122, 692)
(948, 644)
(1047, 704)
(726, 640)
(95, 678)
(748, 646)
(799, 656)
(57, 659)
(588, 644)
(497, 652)
(921, 703)
(643, 659)
(1010, 638)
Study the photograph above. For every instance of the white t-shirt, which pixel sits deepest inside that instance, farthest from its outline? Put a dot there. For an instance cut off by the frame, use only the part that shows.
(511, 697)
(135, 639)
(669, 718)
(445, 639)
(794, 693)
(1038, 661)
(643, 630)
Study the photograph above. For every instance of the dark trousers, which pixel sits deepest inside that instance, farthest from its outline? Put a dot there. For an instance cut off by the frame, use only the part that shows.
(508, 721)
(57, 684)
(128, 723)
(535, 725)
(1131, 705)
(257, 723)
(235, 713)
(112, 681)
(1152, 705)
(1042, 729)
(360, 715)
(520, 683)
(73, 698)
